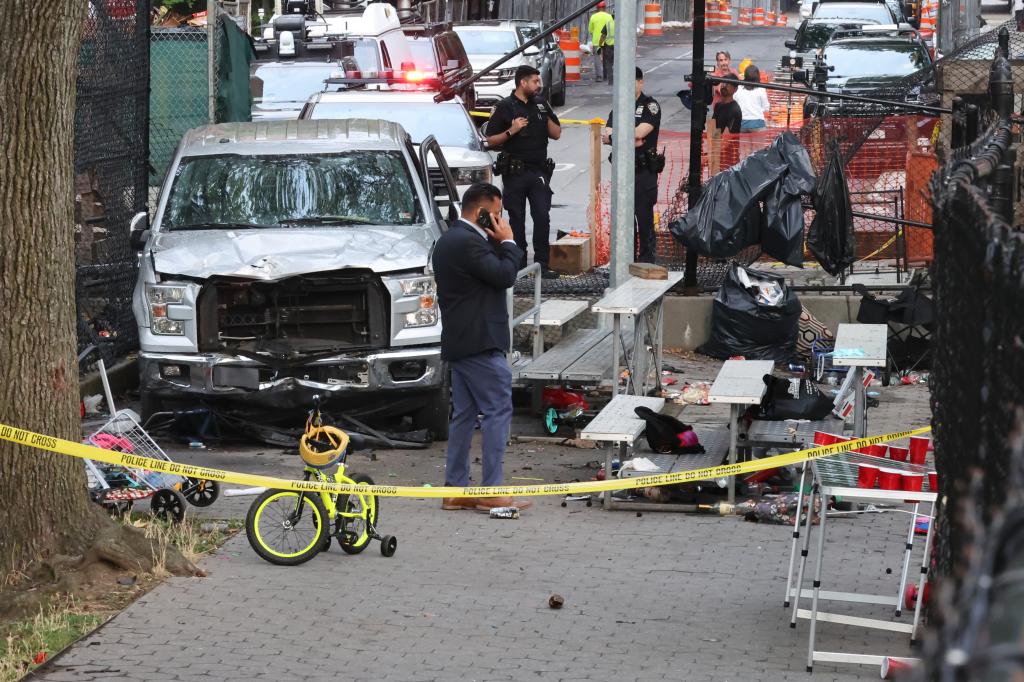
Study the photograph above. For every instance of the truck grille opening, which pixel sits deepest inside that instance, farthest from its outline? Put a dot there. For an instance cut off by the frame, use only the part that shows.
(307, 313)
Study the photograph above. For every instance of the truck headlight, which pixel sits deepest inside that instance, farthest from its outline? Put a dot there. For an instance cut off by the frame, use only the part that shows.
(424, 289)
(419, 286)
(159, 297)
(469, 176)
(506, 74)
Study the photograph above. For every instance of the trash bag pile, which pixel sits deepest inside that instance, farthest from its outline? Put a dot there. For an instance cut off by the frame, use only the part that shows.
(758, 201)
(754, 315)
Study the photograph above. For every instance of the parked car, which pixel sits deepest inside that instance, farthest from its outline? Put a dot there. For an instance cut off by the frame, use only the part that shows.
(814, 34)
(485, 43)
(551, 60)
(861, 62)
(296, 54)
(421, 117)
(897, 8)
(291, 258)
(437, 49)
(877, 12)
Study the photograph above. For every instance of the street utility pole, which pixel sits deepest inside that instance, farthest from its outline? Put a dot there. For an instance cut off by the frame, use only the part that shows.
(623, 151)
(697, 116)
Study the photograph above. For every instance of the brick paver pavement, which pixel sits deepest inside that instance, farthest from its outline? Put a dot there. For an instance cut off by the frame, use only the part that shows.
(655, 597)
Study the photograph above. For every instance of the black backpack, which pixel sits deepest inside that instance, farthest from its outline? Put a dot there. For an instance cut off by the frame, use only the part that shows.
(665, 433)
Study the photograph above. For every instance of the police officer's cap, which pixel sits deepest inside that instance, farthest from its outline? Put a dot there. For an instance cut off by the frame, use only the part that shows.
(639, 74)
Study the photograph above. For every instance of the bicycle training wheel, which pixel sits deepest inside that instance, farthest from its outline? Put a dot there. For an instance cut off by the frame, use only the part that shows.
(357, 513)
(286, 527)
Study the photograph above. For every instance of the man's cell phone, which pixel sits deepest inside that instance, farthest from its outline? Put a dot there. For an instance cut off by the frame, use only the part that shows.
(483, 219)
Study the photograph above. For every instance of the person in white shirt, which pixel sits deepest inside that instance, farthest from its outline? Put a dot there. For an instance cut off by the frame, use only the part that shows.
(753, 101)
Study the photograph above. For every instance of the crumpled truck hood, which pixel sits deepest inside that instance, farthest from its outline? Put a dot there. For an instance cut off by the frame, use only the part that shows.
(273, 254)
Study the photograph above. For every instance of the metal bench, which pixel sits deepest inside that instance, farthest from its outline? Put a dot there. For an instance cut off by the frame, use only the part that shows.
(618, 423)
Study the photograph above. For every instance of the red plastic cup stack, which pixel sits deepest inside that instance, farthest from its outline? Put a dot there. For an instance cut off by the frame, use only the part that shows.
(919, 449)
(889, 479)
(898, 454)
(867, 476)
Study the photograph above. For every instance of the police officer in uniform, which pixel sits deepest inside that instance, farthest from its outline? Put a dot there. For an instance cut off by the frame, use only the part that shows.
(520, 127)
(649, 163)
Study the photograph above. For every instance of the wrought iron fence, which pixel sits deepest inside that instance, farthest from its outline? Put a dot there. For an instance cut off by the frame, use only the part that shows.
(977, 386)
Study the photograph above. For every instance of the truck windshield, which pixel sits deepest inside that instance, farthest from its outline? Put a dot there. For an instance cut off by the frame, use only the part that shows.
(882, 61)
(234, 191)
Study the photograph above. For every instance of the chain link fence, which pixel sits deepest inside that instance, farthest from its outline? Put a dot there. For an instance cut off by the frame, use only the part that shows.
(111, 143)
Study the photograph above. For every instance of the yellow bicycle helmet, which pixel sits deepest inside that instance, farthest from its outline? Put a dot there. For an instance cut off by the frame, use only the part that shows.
(322, 446)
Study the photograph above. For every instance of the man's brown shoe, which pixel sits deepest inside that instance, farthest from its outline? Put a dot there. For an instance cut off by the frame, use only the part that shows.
(454, 503)
(488, 503)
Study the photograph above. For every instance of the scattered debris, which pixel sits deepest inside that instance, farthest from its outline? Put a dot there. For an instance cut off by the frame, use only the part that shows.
(505, 513)
(556, 601)
(696, 393)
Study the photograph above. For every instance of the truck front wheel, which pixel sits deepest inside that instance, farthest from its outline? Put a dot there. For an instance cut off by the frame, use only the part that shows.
(436, 412)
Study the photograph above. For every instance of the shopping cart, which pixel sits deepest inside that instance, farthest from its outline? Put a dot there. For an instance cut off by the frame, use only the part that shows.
(117, 488)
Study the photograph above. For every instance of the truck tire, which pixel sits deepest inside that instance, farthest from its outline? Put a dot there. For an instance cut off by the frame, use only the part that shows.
(435, 414)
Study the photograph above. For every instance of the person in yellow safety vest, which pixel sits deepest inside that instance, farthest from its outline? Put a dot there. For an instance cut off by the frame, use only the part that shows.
(602, 40)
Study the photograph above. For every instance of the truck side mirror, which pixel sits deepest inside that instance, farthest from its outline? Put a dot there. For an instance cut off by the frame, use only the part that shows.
(531, 51)
(791, 44)
(138, 230)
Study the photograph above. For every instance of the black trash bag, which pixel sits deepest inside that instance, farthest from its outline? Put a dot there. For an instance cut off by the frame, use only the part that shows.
(830, 238)
(729, 218)
(667, 434)
(783, 234)
(746, 322)
(792, 399)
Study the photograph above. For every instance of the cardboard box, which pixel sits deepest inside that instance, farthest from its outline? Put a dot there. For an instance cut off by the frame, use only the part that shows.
(571, 255)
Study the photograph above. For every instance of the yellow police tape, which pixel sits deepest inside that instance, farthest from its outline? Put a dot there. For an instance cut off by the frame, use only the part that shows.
(566, 121)
(66, 447)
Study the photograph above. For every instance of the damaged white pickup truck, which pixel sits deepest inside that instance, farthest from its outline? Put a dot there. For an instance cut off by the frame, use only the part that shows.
(292, 258)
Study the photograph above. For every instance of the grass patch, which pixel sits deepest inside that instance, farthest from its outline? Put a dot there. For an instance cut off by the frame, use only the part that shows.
(62, 619)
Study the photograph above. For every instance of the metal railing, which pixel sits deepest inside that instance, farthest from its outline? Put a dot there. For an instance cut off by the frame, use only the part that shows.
(533, 310)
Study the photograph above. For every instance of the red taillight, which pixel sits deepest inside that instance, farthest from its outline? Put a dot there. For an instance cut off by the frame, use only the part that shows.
(414, 76)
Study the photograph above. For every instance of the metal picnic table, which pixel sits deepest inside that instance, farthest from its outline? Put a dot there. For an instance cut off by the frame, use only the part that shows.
(644, 299)
(739, 382)
(618, 423)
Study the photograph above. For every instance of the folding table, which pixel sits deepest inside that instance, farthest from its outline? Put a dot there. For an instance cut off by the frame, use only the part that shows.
(837, 476)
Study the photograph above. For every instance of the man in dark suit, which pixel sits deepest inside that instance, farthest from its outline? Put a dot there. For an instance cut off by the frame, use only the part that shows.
(475, 262)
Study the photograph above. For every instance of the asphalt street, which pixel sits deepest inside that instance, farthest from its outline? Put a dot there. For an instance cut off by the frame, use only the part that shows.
(665, 61)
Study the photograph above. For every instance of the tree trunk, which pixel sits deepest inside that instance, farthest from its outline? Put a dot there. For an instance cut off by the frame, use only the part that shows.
(43, 496)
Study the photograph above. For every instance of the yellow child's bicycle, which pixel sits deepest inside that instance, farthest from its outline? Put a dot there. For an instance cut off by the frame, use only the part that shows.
(289, 528)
